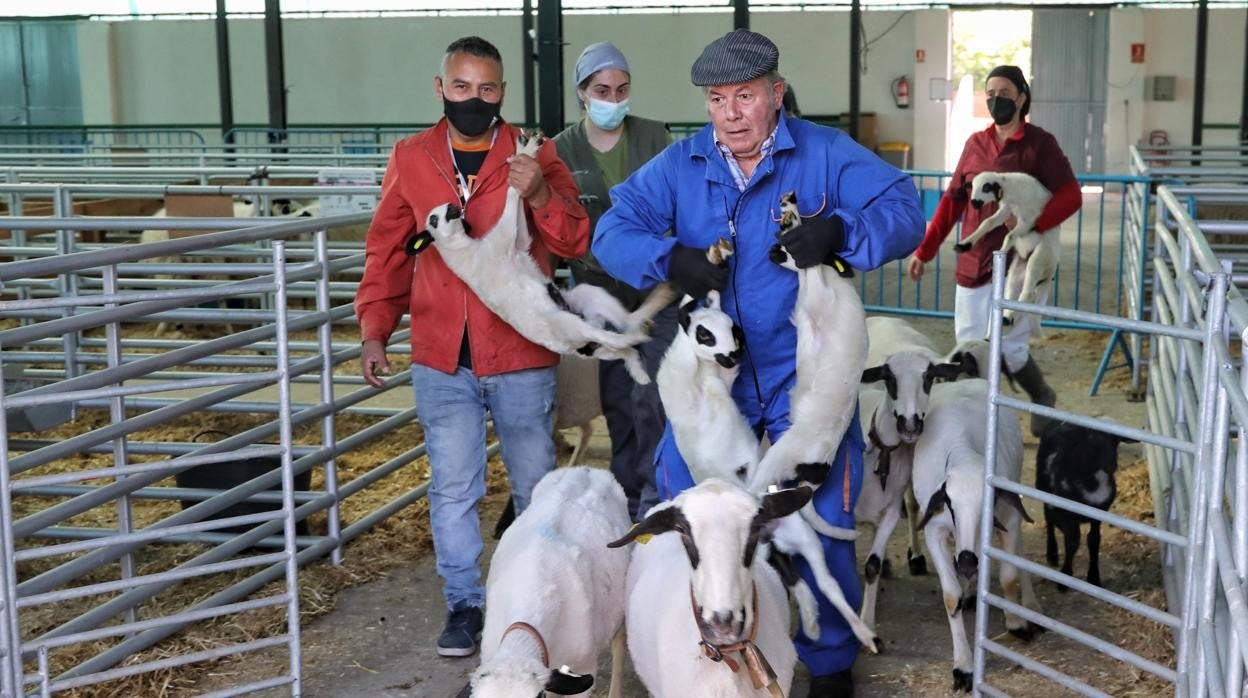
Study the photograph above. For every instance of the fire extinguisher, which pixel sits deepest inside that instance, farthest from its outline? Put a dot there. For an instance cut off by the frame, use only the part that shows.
(901, 92)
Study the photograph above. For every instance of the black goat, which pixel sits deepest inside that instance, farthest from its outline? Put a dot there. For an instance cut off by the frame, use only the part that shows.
(1079, 464)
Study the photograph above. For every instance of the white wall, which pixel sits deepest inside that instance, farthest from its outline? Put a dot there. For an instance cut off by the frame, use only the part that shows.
(931, 118)
(380, 70)
(1169, 39)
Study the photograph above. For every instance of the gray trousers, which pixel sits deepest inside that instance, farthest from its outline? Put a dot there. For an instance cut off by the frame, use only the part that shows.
(635, 417)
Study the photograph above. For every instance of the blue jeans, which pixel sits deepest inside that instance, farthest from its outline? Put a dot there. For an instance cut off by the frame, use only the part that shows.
(451, 409)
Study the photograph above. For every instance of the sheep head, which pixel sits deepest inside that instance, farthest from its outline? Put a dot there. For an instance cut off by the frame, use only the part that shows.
(986, 189)
(908, 377)
(513, 676)
(714, 336)
(446, 225)
(529, 143)
(721, 525)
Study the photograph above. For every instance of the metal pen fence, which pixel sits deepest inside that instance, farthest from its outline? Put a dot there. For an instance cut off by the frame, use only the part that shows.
(50, 497)
(1196, 406)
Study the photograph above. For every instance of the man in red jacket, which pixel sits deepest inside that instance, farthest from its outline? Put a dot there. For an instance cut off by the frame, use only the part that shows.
(466, 359)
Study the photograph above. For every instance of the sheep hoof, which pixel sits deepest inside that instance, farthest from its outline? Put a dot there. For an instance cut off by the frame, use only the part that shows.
(962, 681)
(879, 644)
(886, 569)
(918, 565)
(872, 569)
(1007, 321)
(1028, 632)
(961, 247)
(813, 473)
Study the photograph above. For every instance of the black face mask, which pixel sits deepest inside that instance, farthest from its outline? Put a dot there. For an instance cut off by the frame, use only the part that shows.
(471, 117)
(1002, 109)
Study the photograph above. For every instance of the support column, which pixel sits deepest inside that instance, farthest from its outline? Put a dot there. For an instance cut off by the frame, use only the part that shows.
(1198, 90)
(740, 14)
(1243, 108)
(855, 66)
(275, 68)
(530, 57)
(225, 90)
(550, 64)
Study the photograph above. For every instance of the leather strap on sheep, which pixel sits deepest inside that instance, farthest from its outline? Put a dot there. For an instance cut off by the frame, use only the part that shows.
(521, 625)
(761, 673)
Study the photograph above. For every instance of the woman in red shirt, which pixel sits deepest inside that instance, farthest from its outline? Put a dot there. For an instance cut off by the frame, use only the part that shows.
(1009, 144)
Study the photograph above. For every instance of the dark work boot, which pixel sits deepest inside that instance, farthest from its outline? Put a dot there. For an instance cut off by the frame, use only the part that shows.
(838, 685)
(1031, 380)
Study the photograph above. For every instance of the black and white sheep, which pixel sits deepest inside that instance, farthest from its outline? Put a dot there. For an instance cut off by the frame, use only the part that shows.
(1079, 464)
(735, 611)
(1036, 253)
(949, 477)
(555, 593)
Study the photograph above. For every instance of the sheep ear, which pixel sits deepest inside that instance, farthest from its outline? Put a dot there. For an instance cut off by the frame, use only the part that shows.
(777, 505)
(687, 305)
(937, 502)
(661, 521)
(945, 371)
(563, 682)
(712, 299)
(968, 362)
(1013, 500)
(876, 373)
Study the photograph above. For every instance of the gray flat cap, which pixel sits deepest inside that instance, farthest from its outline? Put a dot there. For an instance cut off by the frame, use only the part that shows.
(599, 56)
(738, 56)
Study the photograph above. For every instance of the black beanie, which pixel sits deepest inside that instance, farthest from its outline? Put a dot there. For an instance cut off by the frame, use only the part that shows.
(1015, 75)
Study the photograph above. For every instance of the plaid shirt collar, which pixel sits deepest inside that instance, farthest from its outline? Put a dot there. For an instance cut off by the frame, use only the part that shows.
(737, 174)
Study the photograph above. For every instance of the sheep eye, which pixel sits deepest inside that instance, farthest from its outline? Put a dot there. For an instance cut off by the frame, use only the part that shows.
(704, 336)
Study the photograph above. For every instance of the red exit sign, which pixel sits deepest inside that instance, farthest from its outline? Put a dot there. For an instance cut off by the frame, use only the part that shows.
(1137, 53)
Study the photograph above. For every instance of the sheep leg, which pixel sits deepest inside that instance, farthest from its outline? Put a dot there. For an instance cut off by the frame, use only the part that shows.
(1070, 531)
(619, 647)
(1016, 584)
(951, 590)
(1094, 553)
(659, 298)
(1015, 285)
(1050, 548)
(793, 536)
(879, 552)
(587, 431)
(914, 554)
(988, 225)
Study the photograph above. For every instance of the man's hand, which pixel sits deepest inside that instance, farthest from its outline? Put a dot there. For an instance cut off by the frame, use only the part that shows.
(374, 362)
(814, 241)
(526, 176)
(915, 268)
(689, 269)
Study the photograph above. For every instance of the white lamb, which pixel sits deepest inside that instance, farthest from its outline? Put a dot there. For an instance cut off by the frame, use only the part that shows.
(555, 594)
(709, 643)
(831, 353)
(1036, 253)
(949, 478)
(695, 383)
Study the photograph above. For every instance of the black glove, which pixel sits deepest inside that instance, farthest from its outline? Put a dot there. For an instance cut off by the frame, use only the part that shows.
(693, 272)
(816, 241)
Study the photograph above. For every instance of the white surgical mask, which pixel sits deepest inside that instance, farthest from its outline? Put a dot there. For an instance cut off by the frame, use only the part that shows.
(606, 115)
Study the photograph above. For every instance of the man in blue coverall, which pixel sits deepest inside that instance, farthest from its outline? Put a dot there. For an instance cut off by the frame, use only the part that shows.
(726, 181)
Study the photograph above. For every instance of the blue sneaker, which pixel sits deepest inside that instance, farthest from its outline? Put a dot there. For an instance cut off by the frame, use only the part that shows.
(462, 632)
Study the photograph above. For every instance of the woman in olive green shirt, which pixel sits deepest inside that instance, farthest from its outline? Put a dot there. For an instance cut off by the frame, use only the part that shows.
(602, 150)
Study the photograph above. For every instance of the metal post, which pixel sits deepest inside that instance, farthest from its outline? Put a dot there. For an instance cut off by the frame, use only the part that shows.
(325, 333)
(740, 14)
(66, 282)
(550, 63)
(990, 448)
(1198, 88)
(855, 66)
(530, 56)
(288, 471)
(224, 86)
(275, 69)
(10, 635)
(117, 414)
(1243, 107)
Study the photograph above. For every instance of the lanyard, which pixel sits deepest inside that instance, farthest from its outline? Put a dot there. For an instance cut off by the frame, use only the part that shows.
(464, 194)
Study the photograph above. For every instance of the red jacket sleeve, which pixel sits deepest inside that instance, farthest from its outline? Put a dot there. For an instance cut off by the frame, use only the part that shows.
(386, 287)
(562, 223)
(1062, 205)
(948, 213)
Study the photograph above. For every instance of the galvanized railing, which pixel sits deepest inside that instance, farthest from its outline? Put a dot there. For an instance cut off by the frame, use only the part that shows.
(1196, 401)
(103, 375)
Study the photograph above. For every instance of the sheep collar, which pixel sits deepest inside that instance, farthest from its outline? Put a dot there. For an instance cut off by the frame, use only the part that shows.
(884, 463)
(521, 625)
(761, 673)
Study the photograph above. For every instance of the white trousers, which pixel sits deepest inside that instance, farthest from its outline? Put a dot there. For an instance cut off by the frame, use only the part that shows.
(970, 321)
